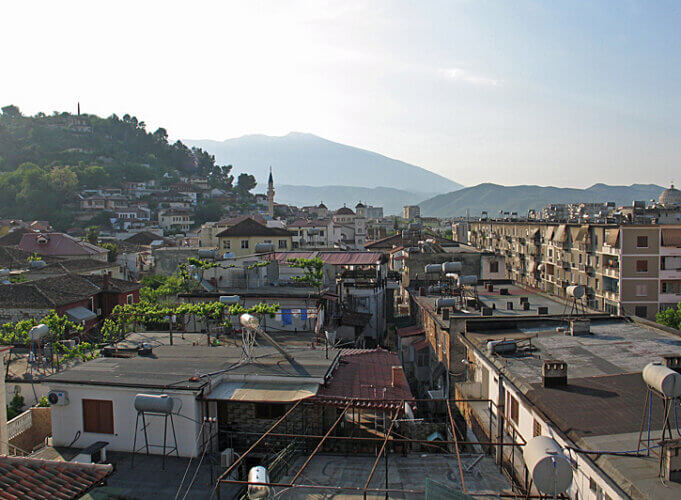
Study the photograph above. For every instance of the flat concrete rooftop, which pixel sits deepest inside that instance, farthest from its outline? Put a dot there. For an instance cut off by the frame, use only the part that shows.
(601, 406)
(404, 473)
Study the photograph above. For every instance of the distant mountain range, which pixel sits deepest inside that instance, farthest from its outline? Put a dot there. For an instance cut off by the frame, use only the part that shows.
(493, 198)
(299, 159)
(392, 200)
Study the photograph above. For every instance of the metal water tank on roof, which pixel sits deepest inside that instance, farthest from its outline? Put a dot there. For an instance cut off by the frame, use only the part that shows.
(451, 267)
(452, 276)
(469, 279)
(206, 253)
(154, 403)
(503, 346)
(264, 247)
(37, 264)
(549, 467)
(229, 299)
(258, 474)
(433, 268)
(445, 302)
(662, 379)
(576, 291)
(38, 332)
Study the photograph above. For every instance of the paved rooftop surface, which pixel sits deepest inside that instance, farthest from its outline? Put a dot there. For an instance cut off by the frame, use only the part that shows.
(175, 366)
(404, 473)
(601, 407)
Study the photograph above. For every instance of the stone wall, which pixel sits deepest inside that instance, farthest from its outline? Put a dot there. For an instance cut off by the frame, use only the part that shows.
(166, 260)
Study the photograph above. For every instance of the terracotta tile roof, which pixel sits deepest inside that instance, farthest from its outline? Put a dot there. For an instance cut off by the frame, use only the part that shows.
(65, 289)
(366, 374)
(421, 344)
(14, 237)
(409, 331)
(351, 258)
(57, 244)
(31, 478)
(250, 227)
(146, 237)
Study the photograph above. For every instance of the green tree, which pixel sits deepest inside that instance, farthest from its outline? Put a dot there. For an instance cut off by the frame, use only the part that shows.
(209, 210)
(113, 251)
(245, 183)
(313, 271)
(670, 317)
(11, 111)
(92, 235)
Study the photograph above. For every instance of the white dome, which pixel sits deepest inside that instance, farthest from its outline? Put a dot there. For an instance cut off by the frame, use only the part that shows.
(671, 196)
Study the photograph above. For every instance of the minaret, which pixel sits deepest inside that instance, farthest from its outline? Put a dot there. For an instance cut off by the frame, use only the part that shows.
(270, 195)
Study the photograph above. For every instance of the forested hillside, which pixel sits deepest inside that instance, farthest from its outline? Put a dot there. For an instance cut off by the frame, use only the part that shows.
(45, 160)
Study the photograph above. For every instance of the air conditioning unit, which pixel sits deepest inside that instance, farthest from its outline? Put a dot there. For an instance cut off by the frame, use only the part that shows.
(58, 398)
(227, 457)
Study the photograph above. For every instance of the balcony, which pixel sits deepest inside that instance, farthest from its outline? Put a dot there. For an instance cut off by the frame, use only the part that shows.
(670, 250)
(610, 250)
(670, 298)
(670, 274)
(611, 272)
(610, 295)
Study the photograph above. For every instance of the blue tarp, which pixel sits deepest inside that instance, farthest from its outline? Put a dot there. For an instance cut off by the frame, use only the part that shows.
(303, 314)
(286, 317)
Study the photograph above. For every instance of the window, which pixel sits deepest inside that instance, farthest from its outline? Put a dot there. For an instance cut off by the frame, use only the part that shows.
(226, 244)
(641, 266)
(494, 267)
(641, 311)
(269, 411)
(283, 244)
(536, 430)
(641, 290)
(513, 409)
(641, 242)
(98, 416)
(244, 243)
(129, 298)
(321, 233)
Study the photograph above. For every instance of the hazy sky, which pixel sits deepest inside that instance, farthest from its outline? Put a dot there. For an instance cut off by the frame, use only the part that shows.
(565, 93)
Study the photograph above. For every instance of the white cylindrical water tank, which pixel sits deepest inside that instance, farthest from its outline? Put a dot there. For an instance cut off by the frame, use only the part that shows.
(469, 279)
(504, 346)
(264, 247)
(662, 379)
(549, 467)
(229, 299)
(451, 267)
(576, 291)
(433, 268)
(249, 321)
(452, 276)
(445, 302)
(206, 253)
(37, 264)
(157, 403)
(38, 332)
(4, 272)
(258, 474)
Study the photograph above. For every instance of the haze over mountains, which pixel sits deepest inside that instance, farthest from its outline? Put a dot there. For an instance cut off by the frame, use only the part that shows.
(299, 159)
(493, 198)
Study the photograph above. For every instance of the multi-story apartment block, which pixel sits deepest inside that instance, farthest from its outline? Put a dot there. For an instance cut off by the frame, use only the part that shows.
(410, 212)
(630, 269)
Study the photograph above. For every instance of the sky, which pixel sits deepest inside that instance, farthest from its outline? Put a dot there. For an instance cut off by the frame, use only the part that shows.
(565, 93)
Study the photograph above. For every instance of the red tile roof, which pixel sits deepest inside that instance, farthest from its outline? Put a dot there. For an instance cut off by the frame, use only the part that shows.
(409, 331)
(28, 478)
(57, 244)
(364, 374)
(421, 344)
(332, 258)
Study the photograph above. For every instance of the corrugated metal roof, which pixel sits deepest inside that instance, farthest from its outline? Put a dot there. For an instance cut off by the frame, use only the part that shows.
(351, 258)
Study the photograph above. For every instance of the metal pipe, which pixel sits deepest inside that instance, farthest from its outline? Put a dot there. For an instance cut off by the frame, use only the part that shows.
(319, 445)
(456, 445)
(385, 442)
(243, 455)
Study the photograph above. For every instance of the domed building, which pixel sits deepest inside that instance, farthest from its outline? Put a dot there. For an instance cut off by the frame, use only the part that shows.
(344, 215)
(670, 197)
(361, 209)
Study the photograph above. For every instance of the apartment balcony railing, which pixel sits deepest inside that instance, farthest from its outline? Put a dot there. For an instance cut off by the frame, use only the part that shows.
(611, 272)
(609, 250)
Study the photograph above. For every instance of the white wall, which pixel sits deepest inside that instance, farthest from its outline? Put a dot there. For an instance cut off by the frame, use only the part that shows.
(525, 427)
(68, 420)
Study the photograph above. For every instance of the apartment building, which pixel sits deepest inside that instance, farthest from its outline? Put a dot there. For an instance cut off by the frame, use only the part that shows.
(632, 269)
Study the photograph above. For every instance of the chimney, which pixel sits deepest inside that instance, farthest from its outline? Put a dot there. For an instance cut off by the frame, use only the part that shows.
(397, 373)
(105, 281)
(554, 373)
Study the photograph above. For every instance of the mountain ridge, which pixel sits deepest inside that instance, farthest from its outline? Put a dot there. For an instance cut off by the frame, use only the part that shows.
(493, 198)
(304, 159)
